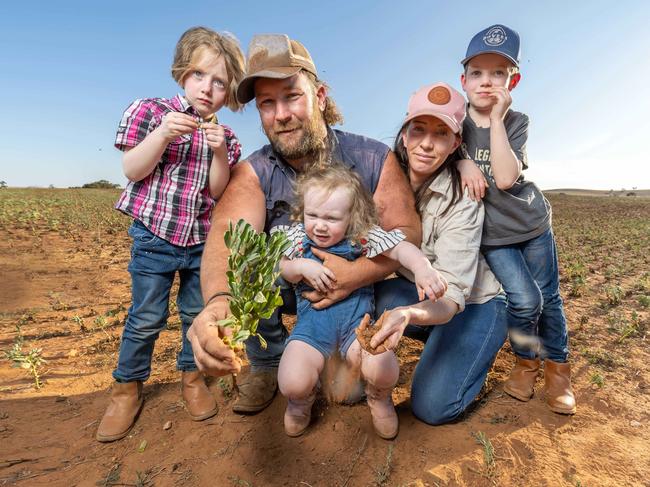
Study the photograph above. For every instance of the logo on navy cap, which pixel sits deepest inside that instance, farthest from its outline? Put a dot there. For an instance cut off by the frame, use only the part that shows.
(495, 36)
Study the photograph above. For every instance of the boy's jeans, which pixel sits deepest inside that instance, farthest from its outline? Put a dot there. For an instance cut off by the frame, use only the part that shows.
(154, 262)
(528, 272)
(456, 356)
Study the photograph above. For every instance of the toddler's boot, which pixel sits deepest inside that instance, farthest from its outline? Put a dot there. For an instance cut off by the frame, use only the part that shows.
(298, 415)
(382, 410)
(557, 383)
(199, 401)
(521, 382)
(123, 409)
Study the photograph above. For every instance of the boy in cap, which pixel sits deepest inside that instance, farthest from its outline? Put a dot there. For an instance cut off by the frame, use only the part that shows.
(517, 240)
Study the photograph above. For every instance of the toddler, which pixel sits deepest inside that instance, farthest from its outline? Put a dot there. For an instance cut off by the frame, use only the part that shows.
(335, 213)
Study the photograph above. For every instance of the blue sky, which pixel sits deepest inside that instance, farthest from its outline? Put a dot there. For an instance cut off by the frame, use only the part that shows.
(69, 69)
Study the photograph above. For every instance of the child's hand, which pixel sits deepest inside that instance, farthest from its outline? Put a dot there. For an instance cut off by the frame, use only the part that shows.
(472, 178)
(429, 281)
(175, 124)
(502, 101)
(216, 138)
(317, 275)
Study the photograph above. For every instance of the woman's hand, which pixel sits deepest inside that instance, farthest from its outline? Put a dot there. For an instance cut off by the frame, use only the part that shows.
(393, 323)
(472, 178)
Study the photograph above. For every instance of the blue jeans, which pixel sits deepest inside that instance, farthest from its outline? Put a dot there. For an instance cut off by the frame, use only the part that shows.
(154, 262)
(273, 332)
(528, 272)
(456, 356)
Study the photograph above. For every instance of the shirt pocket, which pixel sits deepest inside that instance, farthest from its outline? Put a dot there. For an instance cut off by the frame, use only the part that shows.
(179, 148)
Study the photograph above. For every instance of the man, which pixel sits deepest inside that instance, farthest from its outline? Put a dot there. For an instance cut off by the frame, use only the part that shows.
(296, 114)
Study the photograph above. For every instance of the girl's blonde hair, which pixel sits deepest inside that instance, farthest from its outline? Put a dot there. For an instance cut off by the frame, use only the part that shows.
(363, 214)
(196, 40)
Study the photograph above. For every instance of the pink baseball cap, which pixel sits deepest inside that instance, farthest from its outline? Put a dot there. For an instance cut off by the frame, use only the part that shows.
(441, 101)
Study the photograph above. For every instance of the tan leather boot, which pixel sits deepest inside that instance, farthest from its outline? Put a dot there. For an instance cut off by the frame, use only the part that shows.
(122, 411)
(199, 401)
(298, 415)
(256, 391)
(382, 410)
(521, 382)
(557, 384)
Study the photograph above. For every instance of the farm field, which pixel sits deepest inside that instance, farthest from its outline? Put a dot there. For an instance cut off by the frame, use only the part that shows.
(64, 292)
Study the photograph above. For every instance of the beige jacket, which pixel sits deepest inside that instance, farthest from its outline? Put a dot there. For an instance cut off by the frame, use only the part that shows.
(452, 244)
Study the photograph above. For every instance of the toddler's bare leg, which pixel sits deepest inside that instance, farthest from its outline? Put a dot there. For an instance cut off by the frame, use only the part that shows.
(381, 370)
(381, 373)
(300, 366)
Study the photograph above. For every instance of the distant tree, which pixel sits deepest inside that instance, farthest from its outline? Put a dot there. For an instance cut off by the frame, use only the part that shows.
(102, 184)
(51, 186)
(3, 184)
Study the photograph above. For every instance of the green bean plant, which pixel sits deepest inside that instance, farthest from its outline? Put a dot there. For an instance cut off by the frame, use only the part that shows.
(31, 361)
(252, 272)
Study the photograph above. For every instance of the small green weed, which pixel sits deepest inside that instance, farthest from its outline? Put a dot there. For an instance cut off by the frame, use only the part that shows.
(112, 477)
(598, 379)
(382, 474)
(600, 358)
(31, 361)
(614, 294)
(239, 482)
(79, 321)
(102, 324)
(577, 275)
(631, 328)
(226, 385)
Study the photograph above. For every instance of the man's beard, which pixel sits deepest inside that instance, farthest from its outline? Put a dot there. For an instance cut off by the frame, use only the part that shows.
(312, 142)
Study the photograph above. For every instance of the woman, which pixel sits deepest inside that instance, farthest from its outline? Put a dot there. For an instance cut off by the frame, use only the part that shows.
(457, 355)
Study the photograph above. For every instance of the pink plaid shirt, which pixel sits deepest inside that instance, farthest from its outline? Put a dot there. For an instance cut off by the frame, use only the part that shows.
(173, 201)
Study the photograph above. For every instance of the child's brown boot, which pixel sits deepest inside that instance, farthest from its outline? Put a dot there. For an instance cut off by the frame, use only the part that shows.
(382, 410)
(298, 415)
(198, 399)
(557, 383)
(122, 411)
(521, 382)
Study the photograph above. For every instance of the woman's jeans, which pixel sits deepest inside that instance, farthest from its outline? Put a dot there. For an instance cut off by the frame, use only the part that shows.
(154, 262)
(528, 272)
(456, 356)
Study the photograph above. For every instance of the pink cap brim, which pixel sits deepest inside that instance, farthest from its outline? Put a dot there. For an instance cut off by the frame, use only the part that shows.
(450, 122)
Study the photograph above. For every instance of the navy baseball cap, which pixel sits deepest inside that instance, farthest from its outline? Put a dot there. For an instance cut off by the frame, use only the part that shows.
(497, 39)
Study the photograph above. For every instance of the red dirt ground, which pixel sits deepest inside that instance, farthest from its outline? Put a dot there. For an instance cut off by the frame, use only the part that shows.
(57, 287)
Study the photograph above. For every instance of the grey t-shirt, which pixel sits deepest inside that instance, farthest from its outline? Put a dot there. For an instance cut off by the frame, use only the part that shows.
(516, 214)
